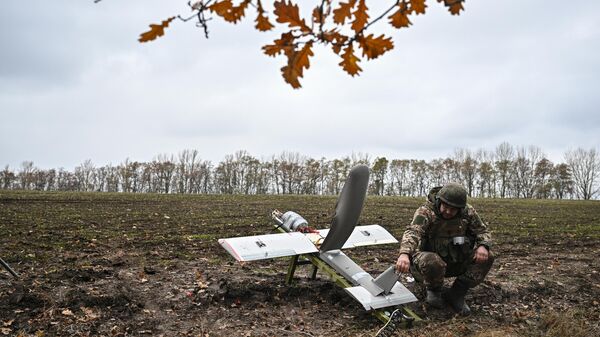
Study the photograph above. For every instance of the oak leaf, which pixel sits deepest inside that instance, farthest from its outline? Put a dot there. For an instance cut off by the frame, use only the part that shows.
(289, 13)
(238, 12)
(262, 22)
(228, 12)
(361, 17)
(284, 44)
(454, 6)
(400, 18)
(155, 31)
(298, 60)
(343, 12)
(221, 8)
(318, 16)
(350, 61)
(375, 47)
(336, 39)
(418, 6)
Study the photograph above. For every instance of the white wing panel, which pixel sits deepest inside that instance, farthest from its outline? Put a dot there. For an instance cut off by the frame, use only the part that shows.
(365, 236)
(398, 295)
(259, 247)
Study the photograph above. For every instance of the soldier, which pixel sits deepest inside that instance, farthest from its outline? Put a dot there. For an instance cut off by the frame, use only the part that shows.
(446, 238)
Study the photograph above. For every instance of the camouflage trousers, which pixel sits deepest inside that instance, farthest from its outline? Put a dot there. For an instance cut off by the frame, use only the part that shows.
(430, 269)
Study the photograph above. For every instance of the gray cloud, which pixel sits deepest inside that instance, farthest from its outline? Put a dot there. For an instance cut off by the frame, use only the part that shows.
(75, 84)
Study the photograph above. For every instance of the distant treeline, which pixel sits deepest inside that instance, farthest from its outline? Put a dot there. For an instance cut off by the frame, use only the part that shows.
(505, 172)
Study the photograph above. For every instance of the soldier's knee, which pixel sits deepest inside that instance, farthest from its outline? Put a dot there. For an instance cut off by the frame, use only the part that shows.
(433, 265)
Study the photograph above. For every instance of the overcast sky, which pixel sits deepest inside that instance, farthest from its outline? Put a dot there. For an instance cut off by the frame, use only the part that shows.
(75, 84)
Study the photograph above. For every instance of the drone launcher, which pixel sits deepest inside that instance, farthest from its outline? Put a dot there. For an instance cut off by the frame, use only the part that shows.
(325, 245)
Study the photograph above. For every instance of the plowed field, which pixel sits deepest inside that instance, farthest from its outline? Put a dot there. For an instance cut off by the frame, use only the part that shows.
(150, 265)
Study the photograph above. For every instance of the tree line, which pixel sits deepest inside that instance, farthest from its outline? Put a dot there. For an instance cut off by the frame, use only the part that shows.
(505, 172)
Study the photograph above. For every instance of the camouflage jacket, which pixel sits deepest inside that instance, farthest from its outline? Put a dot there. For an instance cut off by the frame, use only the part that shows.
(428, 231)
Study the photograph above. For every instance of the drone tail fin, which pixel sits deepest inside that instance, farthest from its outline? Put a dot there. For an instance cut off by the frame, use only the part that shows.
(387, 280)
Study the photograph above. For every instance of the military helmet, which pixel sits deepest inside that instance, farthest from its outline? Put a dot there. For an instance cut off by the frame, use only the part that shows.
(454, 195)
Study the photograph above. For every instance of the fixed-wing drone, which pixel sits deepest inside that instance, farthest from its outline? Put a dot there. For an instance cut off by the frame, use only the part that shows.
(323, 248)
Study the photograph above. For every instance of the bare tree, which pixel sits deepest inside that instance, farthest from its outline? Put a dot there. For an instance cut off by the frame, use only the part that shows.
(40, 180)
(524, 167)
(437, 173)
(130, 175)
(544, 170)
(25, 176)
(7, 178)
(202, 180)
(290, 171)
(86, 176)
(451, 170)
(339, 169)
(419, 173)
(585, 168)
(379, 170)
(312, 175)
(399, 172)
(504, 157)
(66, 181)
(164, 168)
(485, 172)
(562, 181)
(467, 166)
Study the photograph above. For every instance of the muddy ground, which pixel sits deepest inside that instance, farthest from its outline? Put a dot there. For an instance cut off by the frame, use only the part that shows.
(150, 265)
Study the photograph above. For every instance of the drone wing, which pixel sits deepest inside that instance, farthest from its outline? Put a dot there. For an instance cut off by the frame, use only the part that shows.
(260, 247)
(365, 236)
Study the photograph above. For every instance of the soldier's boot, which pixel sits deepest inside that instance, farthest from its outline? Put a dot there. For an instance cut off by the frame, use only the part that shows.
(434, 298)
(456, 297)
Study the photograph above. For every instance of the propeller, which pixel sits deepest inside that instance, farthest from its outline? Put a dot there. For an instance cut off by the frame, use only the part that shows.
(348, 208)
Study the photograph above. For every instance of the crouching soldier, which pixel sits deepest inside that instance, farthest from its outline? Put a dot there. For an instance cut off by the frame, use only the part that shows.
(446, 239)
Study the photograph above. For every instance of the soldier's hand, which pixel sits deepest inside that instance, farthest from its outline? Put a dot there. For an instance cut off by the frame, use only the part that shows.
(481, 254)
(403, 263)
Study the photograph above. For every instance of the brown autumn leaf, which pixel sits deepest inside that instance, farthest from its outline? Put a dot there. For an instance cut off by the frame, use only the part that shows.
(361, 17)
(289, 13)
(336, 39)
(303, 57)
(400, 18)
(239, 11)
(343, 12)
(350, 61)
(221, 8)
(298, 60)
(155, 31)
(284, 44)
(454, 6)
(317, 15)
(375, 47)
(418, 6)
(228, 11)
(262, 22)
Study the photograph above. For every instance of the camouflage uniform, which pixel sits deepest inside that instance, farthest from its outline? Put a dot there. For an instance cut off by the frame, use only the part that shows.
(428, 242)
